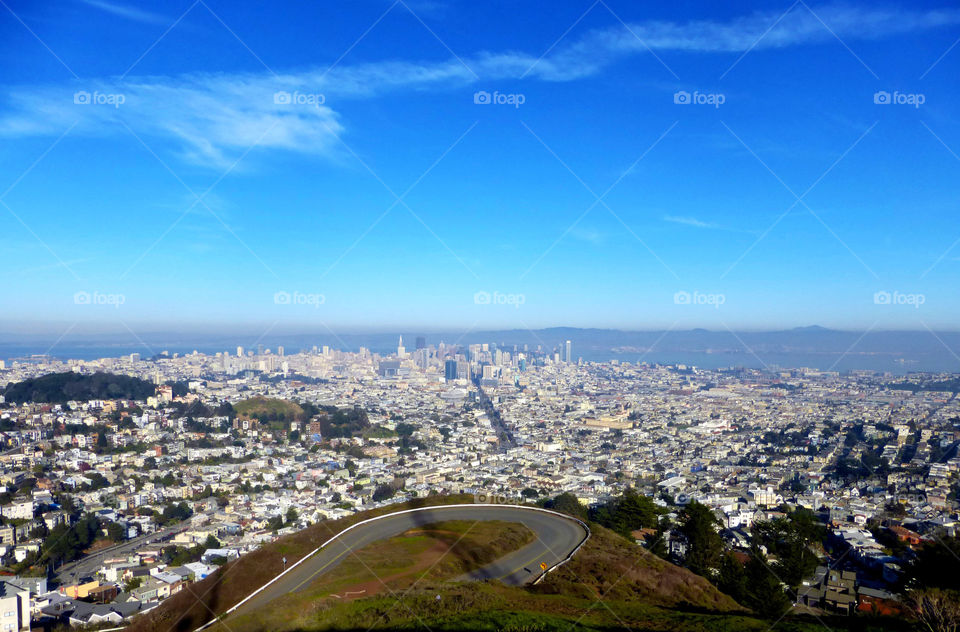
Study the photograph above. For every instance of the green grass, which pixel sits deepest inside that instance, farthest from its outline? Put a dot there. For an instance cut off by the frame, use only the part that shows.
(250, 408)
(429, 553)
(494, 607)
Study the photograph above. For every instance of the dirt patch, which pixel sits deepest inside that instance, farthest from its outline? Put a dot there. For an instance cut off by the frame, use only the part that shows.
(99, 545)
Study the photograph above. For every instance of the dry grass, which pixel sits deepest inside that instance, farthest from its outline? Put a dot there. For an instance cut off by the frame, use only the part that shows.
(204, 600)
(418, 557)
(608, 565)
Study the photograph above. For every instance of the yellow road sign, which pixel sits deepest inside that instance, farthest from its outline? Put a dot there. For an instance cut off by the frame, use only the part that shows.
(543, 566)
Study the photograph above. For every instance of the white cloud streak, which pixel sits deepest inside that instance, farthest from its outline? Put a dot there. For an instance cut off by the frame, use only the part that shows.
(212, 118)
(690, 221)
(127, 12)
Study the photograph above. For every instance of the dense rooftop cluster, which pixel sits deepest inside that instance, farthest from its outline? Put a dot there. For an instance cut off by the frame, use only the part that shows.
(117, 503)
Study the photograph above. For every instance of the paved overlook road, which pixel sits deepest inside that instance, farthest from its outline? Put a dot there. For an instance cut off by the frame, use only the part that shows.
(557, 536)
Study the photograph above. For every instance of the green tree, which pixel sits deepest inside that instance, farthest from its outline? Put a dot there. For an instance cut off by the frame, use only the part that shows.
(698, 525)
(116, 532)
(627, 513)
(569, 504)
(383, 491)
(731, 577)
(764, 591)
(133, 584)
(790, 539)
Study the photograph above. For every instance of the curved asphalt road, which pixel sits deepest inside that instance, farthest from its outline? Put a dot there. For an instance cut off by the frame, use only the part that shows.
(556, 537)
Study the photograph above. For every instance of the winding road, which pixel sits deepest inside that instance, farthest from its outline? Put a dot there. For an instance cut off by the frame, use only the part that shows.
(557, 537)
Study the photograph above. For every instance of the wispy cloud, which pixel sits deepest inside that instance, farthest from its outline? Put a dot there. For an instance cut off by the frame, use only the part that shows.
(801, 25)
(693, 222)
(124, 11)
(212, 118)
(689, 221)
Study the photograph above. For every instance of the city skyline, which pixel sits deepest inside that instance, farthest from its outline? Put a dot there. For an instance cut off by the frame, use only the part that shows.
(423, 166)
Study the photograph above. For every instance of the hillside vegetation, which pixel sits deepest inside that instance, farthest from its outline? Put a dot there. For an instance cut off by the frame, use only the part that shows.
(59, 388)
(191, 608)
(610, 584)
(269, 409)
(430, 553)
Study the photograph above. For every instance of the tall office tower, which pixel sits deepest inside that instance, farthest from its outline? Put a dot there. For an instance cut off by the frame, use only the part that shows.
(239, 352)
(421, 343)
(568, 352)
(401, 350)
(450, 370)
(280, 351)
(474, 352)
(260, 350)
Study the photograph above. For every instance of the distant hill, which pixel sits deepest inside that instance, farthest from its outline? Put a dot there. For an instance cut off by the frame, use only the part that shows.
(59, 388)
(269, 409)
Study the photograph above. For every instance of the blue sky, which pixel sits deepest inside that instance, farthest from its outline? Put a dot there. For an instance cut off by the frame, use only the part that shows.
(325, 165)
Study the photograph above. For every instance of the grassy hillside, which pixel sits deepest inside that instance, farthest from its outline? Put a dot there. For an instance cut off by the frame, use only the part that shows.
(430, 553)
(191, 608)
(609, 565)
(611, 584)
(268, 409)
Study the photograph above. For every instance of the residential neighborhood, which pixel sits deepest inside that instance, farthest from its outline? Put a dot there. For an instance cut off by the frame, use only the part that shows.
(110, 506)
